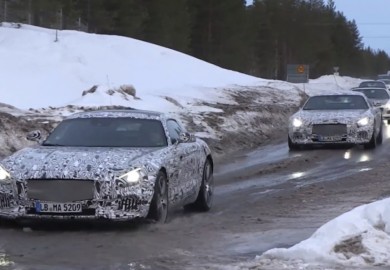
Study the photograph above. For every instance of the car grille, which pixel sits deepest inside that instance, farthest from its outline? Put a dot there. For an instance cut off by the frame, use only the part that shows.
(54, 190)
(329, 129)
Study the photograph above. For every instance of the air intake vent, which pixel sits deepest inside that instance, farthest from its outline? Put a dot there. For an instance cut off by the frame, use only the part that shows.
(63, 190)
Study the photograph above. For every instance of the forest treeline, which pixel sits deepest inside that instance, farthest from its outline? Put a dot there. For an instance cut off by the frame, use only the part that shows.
(258, 39)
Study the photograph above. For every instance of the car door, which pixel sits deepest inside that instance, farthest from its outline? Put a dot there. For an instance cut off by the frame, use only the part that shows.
(183, 156)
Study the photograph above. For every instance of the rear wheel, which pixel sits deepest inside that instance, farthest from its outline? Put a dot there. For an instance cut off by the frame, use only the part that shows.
(158, 210)
(204, 200)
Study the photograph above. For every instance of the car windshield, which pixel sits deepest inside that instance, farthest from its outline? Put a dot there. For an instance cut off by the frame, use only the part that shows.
(336, 102)
(374, 93)
(386, 81)
(373, 84)
(108, 132)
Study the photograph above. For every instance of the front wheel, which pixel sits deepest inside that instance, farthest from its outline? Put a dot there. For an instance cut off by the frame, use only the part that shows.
(373, 141)
(380, 135)
(292, 146)
(158, 210)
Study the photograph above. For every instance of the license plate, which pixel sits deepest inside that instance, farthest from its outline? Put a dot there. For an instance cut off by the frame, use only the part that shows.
(329, 138)
(51, 207)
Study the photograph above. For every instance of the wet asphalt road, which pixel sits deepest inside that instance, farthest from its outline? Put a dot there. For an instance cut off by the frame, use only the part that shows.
(248, 217)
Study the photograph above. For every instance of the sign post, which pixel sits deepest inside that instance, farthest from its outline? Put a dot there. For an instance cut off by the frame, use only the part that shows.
(336, 71)
(298, 73)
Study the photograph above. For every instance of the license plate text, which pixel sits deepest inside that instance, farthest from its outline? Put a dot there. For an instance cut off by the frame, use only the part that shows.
(48, 207)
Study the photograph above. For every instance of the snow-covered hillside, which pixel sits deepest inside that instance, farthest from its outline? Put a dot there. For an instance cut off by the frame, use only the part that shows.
(38, 68)
(48, 79)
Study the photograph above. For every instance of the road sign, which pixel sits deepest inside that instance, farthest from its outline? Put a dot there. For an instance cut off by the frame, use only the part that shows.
(298, 73)
(301, 69)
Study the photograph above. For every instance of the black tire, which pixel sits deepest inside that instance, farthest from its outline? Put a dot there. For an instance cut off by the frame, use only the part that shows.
(380, 135)
(372, 143)
(158, 210)
(205, 197)
(292, 146)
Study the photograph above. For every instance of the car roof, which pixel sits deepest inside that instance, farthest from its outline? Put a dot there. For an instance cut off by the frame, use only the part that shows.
(117, 113)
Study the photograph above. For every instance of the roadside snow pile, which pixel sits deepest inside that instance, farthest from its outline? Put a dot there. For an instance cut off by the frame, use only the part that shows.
(358, 238)
(344, 82)
(329, 83)
(248, 117)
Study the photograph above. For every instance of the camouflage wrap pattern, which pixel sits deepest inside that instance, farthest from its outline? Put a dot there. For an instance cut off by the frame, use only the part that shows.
(102, 167)
(350, 118)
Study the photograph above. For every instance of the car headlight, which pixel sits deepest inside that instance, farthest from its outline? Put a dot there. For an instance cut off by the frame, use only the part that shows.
(363, 122)
(4, 175)
(297, 122)
(132, 177)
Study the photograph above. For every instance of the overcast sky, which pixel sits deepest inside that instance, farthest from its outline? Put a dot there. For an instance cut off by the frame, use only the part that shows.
(372, 18)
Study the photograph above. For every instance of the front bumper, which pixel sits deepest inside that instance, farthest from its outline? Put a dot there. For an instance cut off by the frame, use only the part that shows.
(353, 135)
(106, 213)
(109, 203)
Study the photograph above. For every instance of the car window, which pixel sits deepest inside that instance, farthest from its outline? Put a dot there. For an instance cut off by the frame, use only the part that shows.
(386, 81)
(373, 84)
(336, 102)
(374, 93)
(108, 132)
(174, 130)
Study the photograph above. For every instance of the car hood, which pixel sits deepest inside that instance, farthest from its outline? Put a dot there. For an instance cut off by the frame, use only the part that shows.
(330, 116)
(378, 102)
(74, 162)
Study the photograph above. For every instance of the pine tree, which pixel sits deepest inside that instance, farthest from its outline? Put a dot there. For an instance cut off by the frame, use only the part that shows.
(260, 39)
(220, 32)
(168, 23)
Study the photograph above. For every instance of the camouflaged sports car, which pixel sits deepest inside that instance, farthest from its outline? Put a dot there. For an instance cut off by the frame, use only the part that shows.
(340, 118)
(115, 165)
(378, 97)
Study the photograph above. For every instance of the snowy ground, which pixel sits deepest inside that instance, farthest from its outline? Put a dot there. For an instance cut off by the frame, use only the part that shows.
(82, 71)
(358, 239)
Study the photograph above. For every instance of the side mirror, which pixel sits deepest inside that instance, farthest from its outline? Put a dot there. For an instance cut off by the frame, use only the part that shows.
(186, 137)
(35, 136)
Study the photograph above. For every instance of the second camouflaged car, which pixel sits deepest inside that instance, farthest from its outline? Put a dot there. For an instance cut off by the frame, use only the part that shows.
(116, 165)
(340, 118)
(378, 97)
